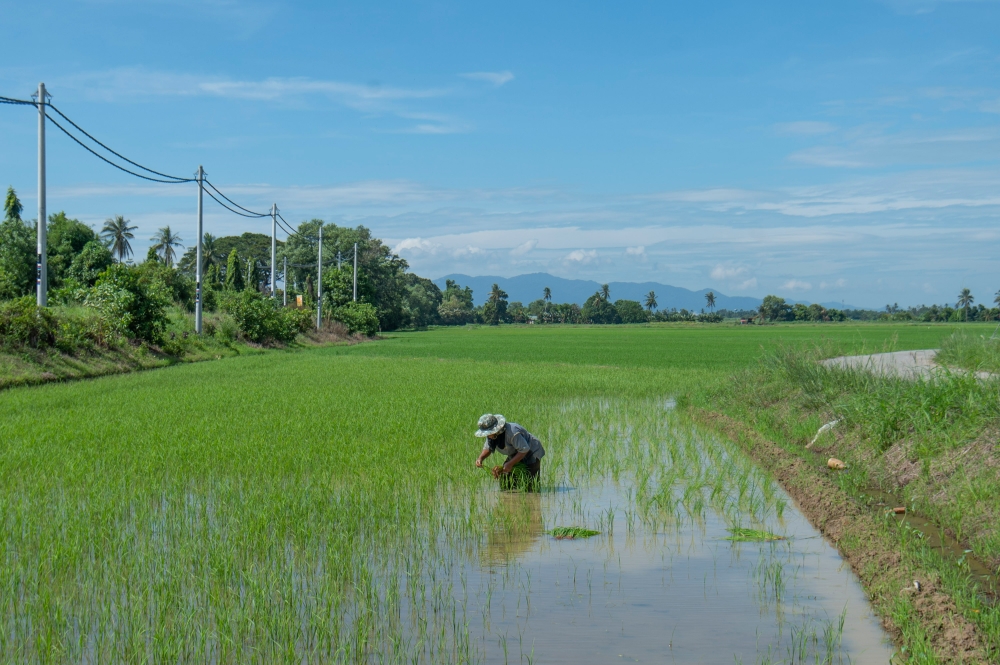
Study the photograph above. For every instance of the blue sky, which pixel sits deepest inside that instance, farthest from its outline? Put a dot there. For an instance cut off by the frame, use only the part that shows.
(843, 151)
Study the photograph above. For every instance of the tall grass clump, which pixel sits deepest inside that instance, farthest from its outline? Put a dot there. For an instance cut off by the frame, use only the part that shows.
(965, 350)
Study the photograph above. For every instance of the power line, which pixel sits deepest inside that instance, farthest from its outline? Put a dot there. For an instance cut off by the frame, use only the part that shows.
(11, 100)
(246, 210)
(108, 161)
(233, 210)
(116, 154)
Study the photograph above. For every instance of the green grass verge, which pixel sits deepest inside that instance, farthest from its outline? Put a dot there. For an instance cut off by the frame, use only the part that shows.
(929, 441)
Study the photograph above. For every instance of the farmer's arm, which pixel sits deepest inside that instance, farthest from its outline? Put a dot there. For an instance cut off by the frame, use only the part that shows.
(509, 464)
(483, 455)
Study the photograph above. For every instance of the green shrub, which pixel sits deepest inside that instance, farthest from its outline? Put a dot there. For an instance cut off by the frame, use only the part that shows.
(22, 323)
(259, 319)
(131, 306)
(359, 317)
(630, 311)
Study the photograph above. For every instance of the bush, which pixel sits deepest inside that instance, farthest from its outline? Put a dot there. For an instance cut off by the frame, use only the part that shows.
(22, 323)
(132, 307)
(259, 319)
(359, 317)
(630, 311)
(599, 310)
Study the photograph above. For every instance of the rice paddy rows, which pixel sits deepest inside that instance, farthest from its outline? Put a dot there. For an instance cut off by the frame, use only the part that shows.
(323, 506)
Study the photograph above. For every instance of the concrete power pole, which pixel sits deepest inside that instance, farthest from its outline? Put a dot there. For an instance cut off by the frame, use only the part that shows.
(274, 245)
(198, 254)
(284, 283)
(355, 272)
(42, 267)
(319, 281)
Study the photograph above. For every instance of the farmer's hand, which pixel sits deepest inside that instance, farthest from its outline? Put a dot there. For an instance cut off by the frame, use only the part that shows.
(497, 470)
(506, 470)
(479, 462)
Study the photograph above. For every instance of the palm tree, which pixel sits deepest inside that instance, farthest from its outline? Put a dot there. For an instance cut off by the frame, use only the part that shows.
(547, 294)
(996, 300)
(209, 254)
(497, 294)
(605, 292)
(965, 300)
(651, 300)
(165, 241)
(710, 300)
(117, 232)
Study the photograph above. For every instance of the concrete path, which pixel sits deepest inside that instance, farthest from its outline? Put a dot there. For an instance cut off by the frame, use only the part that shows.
(907, 364)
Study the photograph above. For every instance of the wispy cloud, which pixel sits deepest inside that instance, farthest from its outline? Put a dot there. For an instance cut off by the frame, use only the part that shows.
(805, 128)
(796, 285)
(582, 255)
(414, 244)
(496, 78)
(524, 247)
(131, 83)
(721, 272)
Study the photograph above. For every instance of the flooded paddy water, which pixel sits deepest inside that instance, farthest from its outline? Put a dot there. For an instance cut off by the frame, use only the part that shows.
(663, 581)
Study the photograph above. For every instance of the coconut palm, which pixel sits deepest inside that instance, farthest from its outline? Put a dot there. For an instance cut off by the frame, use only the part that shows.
(209, 252)
(117, 232)
(965, 301)
(710, 300)
(605, 292)
(547, 294)
(497, 294)
(996, 299)
(165, 243)
(651, 301)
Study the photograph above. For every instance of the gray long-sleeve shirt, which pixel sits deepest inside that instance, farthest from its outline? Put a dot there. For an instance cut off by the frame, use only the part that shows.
(516, 439)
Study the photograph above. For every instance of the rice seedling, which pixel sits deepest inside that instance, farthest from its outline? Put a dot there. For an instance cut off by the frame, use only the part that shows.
(571, 532)
(742, 535)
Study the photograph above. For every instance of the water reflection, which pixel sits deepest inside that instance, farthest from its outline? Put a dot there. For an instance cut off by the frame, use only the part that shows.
(515, 527)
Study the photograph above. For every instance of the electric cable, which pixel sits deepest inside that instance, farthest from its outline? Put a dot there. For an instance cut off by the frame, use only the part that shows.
(108, 161)
(11, 100)
(235, 212)
(116, 154)
(247, 210)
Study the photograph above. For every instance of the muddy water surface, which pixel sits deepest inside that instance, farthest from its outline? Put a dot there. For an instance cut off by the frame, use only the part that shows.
(677, 593)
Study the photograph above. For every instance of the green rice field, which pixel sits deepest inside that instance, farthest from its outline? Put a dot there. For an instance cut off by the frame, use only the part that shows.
(322, 505)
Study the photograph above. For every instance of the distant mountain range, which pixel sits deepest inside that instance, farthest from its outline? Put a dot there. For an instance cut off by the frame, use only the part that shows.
(525, 288)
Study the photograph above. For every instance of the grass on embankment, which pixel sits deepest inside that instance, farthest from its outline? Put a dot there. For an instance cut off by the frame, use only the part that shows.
(26, 366)
(930, 441)
(971, 351)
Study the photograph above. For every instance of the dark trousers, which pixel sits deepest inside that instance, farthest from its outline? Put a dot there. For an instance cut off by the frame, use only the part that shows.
(522, 477)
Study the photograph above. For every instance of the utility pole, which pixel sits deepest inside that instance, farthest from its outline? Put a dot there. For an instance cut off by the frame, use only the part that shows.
(355, 272)
(274, 245)
(284, 283)
(42, 278)
(319, 281)
(198, 255)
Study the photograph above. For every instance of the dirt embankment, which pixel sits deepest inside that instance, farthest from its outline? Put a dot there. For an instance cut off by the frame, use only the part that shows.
(934, 621)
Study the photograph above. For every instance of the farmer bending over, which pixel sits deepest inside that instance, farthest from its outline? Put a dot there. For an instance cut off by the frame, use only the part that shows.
(524, 452)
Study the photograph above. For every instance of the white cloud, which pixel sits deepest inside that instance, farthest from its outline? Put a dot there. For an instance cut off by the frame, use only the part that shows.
(468, 250)
(524, 248)
(131, 82)
(727, 272)
(805, 128)
(748, 284)
(582, 255)
(636, 251)
(414, 244)
(840, 283)
(496, 78)
(796, 285)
